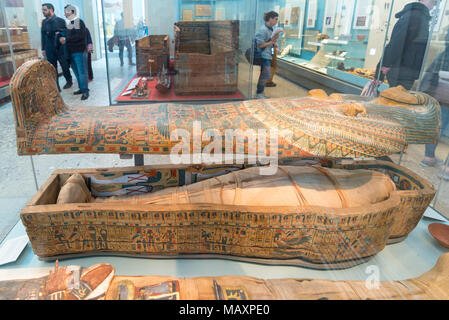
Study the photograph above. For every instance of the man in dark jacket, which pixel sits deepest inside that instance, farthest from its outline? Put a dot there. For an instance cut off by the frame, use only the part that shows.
(76, 40)
(404, 54)
(53, 28)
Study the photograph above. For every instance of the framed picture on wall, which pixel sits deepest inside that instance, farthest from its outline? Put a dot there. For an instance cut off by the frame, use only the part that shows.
(310, 37)
(312, 14)
(203, 10)
(329, 15)
(344, 17)
(291, 33)
(361, 21)
(294, 17)
(220, 14)
(288, 13)
(282, 16)
(362, 14)
(187, 15)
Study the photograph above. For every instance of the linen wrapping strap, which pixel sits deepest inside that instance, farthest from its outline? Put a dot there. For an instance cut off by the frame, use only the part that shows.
(238, 188)
(327, 174)
(338, 189)
(175, 196)
(299, 194)
(221, 189)
(207, 187)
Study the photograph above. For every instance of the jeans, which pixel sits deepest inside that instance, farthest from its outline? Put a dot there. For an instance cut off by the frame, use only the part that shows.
(79, 66)
(430, 148)
(121, 48)
(265, 74)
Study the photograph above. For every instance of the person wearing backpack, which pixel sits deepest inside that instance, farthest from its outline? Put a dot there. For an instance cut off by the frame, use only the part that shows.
(267, 45)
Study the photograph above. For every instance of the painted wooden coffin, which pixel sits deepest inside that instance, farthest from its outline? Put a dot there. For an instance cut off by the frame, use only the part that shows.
(316, 125)
(99, 282)
(432, 285)
(313, 236)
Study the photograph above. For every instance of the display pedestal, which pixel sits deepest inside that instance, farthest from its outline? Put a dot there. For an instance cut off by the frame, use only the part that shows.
(156, 96)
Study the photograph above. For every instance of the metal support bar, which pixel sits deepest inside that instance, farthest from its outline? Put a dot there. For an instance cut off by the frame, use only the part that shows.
(402, 155)
(34, 174)
(138, 160)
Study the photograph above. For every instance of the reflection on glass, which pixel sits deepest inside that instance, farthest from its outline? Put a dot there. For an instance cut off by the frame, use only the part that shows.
(16, 174)
(123, 21)
(6, 61)
(178, 51)
(435, 81)
(17, 17)
(341, 38)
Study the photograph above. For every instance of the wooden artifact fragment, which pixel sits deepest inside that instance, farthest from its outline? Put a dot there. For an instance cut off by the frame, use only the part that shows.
(163, 81)
(141, 90)
(432, 285)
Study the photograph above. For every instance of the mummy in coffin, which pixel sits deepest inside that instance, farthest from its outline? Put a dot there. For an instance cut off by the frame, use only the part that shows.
(323, 216)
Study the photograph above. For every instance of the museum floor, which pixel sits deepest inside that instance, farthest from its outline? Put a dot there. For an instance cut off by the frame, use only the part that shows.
(18, 185)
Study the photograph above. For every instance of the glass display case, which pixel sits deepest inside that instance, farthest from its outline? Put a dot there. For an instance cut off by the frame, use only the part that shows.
(432, 81)
(16, 173)
(6, 58)
(343, 39)
(191, 52)
(15, 44)
(178, 50)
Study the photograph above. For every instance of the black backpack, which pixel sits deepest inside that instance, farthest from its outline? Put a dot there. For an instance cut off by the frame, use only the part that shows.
(256, 58)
